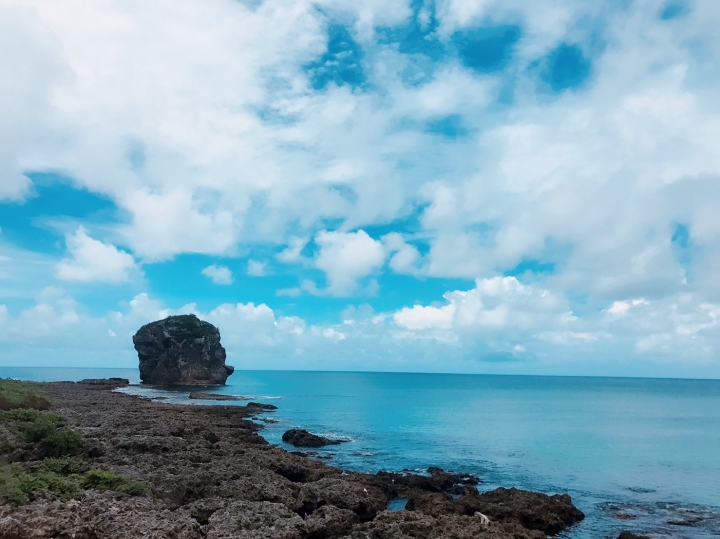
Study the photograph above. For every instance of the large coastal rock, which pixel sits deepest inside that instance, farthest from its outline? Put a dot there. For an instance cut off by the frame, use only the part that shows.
(181, 350)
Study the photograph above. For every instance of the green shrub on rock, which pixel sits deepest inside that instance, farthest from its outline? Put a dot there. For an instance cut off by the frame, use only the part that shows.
(11, 484)
(63, 486)
(60, 443)
(16, 394)
(110, 480)
(63, 466)
(58, 476)
(34, 425)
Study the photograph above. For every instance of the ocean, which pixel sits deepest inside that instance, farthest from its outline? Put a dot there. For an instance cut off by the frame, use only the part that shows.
(634, 454)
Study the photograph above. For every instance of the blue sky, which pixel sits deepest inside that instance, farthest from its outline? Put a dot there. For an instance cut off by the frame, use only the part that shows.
(449, 186)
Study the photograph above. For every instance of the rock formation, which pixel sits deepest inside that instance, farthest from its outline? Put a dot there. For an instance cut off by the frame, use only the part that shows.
(181, 350)
(630, 535)
(303, 438)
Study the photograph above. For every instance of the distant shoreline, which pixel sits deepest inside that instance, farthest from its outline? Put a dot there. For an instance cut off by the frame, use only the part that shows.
(132, 374)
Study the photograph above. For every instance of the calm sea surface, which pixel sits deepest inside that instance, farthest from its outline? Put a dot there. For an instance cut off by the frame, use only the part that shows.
(646, 450)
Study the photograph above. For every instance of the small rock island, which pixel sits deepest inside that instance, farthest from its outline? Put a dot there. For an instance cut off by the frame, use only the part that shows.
(181, 350)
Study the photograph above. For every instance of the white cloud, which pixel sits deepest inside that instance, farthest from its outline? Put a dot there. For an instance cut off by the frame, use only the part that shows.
(255, 268)
(622, 307)
(53, 312)
(28, 70)
(404, 257)
(346, 257)
(496, 316)
(332, 334)
(94, 261)
(293, 252)
(218, 274)
(422, 318)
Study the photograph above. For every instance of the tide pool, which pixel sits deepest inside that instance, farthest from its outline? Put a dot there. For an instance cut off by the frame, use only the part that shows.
(646, 450)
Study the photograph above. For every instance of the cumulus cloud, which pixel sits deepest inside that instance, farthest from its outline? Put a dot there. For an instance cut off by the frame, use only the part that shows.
(94, 261)
(528, 323)
(500, 312)
(218, 274)
(255, 268)
(347, 257)
(418, 317)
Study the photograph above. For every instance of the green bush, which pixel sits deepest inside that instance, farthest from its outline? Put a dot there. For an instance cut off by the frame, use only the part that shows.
(60, 443)
(65, 486)
(17, 486)
(34, 425)
(17, 394)
(63, 466)
(110, 480)
(11, 484)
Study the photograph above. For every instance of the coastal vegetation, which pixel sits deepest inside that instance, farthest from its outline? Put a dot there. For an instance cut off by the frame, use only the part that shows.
(40, 452)
(64, 477)
(17, 394)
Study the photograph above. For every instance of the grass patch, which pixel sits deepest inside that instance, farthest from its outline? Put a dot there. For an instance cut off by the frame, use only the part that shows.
(33, 425)
(63, 466)
(62, 477)
(16, 394)
(109, 480)
(60, 443)
(44, 429)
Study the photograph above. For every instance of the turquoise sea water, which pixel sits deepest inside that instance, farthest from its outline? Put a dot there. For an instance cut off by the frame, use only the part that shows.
(646, 450)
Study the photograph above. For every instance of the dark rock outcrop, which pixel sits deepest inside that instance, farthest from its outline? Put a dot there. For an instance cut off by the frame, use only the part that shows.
(181, 350)
(105, 383)
(303, 438)
(259, 407)
(631, 535)
(438, 481)
(533, 510)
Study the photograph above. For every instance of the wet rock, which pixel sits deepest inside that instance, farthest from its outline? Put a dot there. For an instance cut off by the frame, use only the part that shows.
(105, 383)
(533, 510)
(261, 407)
(181, 350)
(303, 438)
(685, 521)
(631, 535)
(364, 501)
(438, 481)
(215, 397)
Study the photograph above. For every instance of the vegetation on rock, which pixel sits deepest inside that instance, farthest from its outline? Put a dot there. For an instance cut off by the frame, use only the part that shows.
(63, 478)
(38, 451)
(185, 327)
(16, 394)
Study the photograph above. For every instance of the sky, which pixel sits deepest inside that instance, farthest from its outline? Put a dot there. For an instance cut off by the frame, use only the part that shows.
(479, 186)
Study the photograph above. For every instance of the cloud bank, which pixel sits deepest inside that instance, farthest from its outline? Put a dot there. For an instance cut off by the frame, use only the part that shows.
(561, 156)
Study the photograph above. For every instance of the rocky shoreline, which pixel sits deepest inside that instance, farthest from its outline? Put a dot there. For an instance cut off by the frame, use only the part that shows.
(210, 474)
